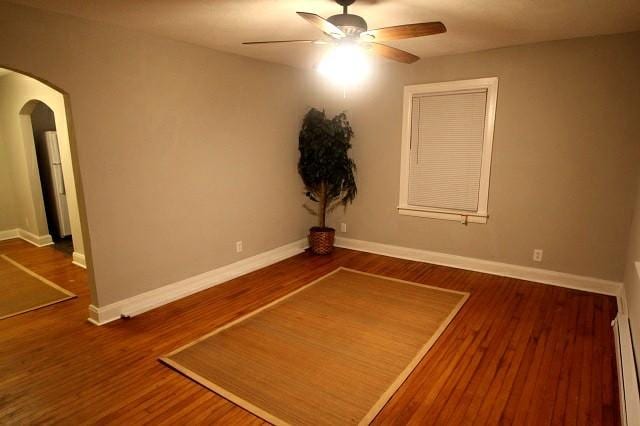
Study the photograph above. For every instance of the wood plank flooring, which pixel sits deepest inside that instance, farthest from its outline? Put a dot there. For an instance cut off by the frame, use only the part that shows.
(517, 352)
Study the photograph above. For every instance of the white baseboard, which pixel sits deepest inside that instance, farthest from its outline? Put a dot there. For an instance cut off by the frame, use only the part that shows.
(627, 372)
(154, 298)
(561, 279)
(94, 316)
(36, 240)
(151, 299)
(39, 241)
(9, 234)
(79, 260)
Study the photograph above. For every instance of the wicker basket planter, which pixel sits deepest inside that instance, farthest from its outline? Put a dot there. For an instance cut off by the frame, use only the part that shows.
(321, 240)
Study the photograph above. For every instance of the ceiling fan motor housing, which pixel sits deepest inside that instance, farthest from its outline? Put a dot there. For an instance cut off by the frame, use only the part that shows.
(351, 25)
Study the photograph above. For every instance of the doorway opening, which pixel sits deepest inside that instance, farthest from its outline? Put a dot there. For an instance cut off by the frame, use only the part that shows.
(41, 197)
(41, 201)
(51, 174)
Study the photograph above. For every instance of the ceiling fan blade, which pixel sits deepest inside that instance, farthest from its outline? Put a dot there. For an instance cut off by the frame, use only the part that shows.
(393, 53)
(404, 31)
(285, 41)
(324, 25)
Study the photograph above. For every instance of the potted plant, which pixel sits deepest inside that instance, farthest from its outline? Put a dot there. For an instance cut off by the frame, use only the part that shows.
(327, 171)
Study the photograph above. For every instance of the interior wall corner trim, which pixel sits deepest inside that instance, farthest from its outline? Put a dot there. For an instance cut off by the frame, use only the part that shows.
(79, 260)
(36, 240)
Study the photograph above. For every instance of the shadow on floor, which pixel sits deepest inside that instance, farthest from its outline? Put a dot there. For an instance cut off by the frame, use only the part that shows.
(65, 245)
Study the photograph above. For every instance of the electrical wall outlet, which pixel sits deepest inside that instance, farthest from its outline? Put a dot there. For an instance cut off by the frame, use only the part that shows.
(343, 227)
(537, 255)
(238, 246)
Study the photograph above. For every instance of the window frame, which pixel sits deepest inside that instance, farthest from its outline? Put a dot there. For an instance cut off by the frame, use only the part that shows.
(481, 215)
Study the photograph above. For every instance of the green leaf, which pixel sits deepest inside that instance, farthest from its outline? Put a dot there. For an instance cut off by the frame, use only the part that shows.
(324, 166)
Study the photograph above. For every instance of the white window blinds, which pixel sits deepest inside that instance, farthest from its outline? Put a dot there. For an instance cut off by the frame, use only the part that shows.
(447, 134)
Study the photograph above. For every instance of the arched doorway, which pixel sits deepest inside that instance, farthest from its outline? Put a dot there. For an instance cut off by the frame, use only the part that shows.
(28, 109)
(49, 161)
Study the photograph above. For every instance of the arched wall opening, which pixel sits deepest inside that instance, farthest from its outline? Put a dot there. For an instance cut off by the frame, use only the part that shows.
(53, 201)
(20, 96)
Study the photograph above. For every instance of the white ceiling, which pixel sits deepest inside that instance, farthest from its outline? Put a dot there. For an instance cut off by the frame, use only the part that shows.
(472, 24)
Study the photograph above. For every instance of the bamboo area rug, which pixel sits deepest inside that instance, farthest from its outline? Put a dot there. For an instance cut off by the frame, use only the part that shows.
(332, 352)
(22, 290)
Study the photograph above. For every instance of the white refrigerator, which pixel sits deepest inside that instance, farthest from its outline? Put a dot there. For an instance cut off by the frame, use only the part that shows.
(53, 184)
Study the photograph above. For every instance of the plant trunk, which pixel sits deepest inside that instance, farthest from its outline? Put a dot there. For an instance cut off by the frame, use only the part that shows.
(322, 205)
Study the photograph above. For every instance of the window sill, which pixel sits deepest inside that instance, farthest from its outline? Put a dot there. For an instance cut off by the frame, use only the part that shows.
(458, 217)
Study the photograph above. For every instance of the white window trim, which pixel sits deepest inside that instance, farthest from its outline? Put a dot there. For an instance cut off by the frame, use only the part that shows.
(479, 216)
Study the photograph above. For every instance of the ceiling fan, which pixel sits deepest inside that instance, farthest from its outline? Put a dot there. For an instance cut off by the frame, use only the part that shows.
(346, 27)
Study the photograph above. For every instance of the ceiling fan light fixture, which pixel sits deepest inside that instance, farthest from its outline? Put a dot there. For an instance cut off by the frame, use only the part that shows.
(347, 64)
(347, 28)
(367, 36)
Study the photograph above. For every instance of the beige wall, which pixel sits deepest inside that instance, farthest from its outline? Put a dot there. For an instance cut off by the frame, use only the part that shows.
(9, 212)
(632, 278)
(182, 150)
(18, 96)
(565, 155)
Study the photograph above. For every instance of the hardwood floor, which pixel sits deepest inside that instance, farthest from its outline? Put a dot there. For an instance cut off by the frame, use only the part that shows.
(517, 352)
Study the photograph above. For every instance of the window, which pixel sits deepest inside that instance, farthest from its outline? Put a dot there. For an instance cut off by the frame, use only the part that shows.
(447, 135)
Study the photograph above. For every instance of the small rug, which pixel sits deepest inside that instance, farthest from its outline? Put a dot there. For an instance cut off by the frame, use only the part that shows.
(22, 290)
(332, 352)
